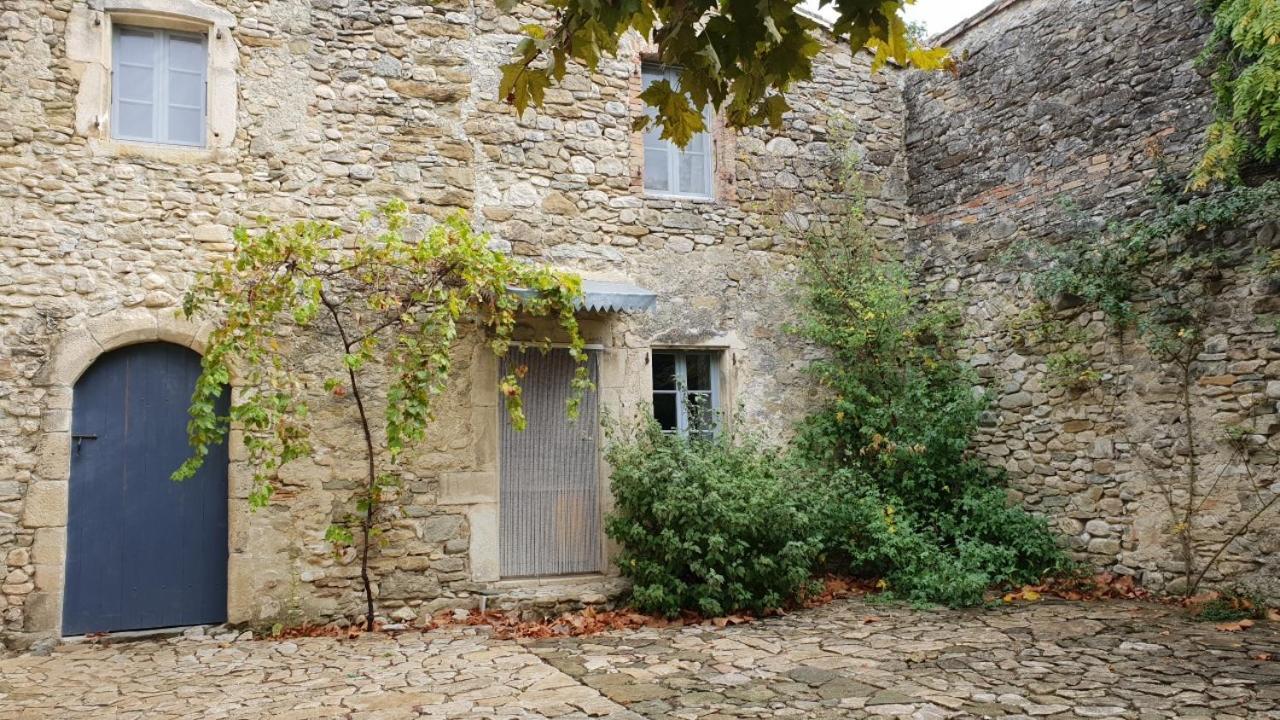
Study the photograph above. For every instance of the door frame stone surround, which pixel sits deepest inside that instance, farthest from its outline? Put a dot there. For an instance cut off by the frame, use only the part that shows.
(45, 504)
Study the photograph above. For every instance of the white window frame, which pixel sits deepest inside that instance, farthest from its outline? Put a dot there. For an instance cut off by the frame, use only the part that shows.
(682, 392)
(90, 44)
(672, 75)
(160, 94)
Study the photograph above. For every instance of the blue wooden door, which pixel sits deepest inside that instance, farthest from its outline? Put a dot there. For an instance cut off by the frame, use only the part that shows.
(143, 551)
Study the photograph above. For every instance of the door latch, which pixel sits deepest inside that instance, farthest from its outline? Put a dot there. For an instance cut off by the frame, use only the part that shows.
(81, 438)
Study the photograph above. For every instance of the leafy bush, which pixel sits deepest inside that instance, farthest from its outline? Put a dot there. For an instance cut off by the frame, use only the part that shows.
(712, 525)
(879, 482)
(904, 498)
(952, 558)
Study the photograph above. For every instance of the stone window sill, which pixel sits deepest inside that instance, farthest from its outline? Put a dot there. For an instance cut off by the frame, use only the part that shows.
(686, 199)
(176, 154)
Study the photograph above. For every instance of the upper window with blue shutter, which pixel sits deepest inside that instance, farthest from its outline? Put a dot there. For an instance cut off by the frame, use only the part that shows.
(158, 86)
(668, 168)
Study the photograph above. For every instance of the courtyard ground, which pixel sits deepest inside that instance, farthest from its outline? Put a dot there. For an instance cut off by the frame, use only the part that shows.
(848, 659)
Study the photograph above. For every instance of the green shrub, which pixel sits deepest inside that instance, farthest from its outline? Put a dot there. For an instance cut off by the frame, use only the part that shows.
(712, 525)
(903, 497)
(951, 558)
(880, 481)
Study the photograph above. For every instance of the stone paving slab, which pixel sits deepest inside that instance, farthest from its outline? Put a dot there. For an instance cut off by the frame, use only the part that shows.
(853, 660)
(454, 674)
(847, 660)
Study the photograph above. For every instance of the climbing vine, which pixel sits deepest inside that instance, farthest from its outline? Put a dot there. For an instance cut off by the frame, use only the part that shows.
(1067, 366)
(1111, 265)
(388, 309)
(1160, 276)
(1244, 50)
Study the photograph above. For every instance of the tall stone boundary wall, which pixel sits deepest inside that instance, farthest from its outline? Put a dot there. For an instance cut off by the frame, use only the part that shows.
(338, 107)
(1063, 100)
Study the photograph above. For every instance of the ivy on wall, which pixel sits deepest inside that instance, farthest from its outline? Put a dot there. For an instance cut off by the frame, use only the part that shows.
(1120, 263)
(1161, 275)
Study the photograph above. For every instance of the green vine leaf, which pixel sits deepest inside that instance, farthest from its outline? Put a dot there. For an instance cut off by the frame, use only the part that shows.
(387, 306)
(1244, 51)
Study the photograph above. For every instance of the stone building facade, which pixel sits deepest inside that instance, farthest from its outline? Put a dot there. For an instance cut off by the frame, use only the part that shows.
(1065, 101)
(318, 109)
(321, 108)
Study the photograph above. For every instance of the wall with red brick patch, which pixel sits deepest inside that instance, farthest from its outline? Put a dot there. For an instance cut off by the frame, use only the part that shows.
(1060, 102)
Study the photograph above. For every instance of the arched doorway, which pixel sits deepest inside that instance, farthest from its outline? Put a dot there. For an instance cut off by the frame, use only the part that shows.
(142, 550)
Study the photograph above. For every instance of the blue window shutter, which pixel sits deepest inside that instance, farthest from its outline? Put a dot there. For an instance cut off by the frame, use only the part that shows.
(136, 53)
(184, 90)
(158, 86)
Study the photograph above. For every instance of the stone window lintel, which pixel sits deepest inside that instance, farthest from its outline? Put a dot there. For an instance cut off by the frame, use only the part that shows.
(191, 10)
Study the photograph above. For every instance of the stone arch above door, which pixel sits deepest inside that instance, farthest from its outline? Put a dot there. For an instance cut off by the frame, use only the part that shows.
(77, 349)
(45, 503)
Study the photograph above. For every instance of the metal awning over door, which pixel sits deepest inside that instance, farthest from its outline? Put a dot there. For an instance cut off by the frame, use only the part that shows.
(607, 296)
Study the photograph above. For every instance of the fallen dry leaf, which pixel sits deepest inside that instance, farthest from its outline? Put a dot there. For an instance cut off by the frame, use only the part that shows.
(834, 588)
(1029, 593)
(1235, 626)
(1103, 586)
(1273, 614)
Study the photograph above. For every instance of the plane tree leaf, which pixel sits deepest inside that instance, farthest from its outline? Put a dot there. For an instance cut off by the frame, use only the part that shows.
(737, 57)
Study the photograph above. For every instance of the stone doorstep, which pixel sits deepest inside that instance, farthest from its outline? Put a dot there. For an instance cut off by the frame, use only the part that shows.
(222, 633)
(533, 598)
(552, 596)
(124, 636)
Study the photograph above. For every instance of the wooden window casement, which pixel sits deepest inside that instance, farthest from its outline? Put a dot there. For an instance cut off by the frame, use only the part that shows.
(686, 391)
(703, 171)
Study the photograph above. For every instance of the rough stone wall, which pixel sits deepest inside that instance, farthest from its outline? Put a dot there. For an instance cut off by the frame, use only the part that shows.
(340, 106)
(1062, 100)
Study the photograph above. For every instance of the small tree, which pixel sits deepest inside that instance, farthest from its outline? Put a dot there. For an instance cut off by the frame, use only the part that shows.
(889, 444)
(388, 307)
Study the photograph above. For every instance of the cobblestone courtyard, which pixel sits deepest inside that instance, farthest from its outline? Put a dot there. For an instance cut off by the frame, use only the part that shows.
(849, 659)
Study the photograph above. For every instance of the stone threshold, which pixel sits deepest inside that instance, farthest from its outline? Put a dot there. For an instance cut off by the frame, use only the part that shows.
(539, 598)
(534, 598)
(222, 632)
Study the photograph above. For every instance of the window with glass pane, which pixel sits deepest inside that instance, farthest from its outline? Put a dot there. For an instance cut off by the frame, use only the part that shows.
(668, 169)
(686, 391)
(158, 86)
